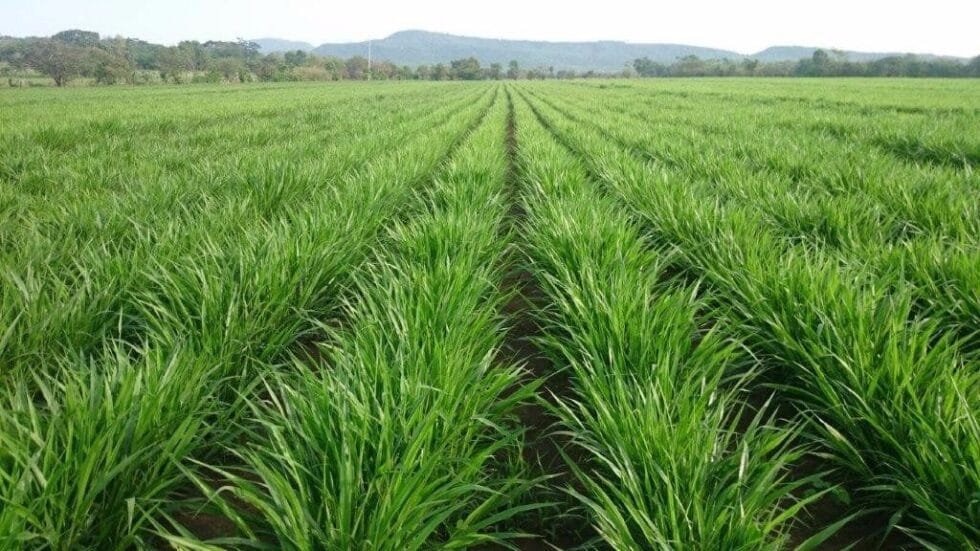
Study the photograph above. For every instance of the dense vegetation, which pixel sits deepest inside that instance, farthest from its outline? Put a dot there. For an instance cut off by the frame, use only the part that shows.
(820, 64)
(706, 314)
(416, 47)
(72, 55)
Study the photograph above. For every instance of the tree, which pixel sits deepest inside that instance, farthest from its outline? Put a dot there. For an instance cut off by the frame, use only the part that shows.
(117, 46)
(56, 59)
(110, 68)
(173, 63)
(645, 67)
(143, 54)
(440, 72)
(270, 68)
(195, 55)
(79, 38)
(14, 52)
(821, 59)
(296, 58)
(466, 69)
(230, 69)
(973, 67)
(383, 70)
(249, 49)
(689, 65)
(819, 64)
(750, 65)
(357, 68)
(537, 73)
(496, 70)
(336, 67)
(513, 70)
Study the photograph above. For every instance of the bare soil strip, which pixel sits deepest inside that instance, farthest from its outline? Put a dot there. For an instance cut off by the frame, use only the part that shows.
(557, 527)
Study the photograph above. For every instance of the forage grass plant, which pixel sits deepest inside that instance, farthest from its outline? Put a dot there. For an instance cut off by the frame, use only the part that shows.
(888, 396)
(853, 203)
(402, 436)
(666, 460)
(75, 259)
(88, 457)
(227, 313)
(273, 316)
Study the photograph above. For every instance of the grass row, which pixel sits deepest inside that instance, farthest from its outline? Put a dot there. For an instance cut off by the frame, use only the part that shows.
(71, 271)
(402, 434)
(664, 452)
(99, 446)
(887, 397)
(821, 189)
(919, 235)
(279, 319)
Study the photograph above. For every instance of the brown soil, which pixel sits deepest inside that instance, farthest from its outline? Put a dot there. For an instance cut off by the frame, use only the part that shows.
(543, 448)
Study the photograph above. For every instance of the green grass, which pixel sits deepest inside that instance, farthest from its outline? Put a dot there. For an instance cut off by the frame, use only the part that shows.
(890, 398)
(400, 434)
(664, 461)
(283, 316)
(232, 304)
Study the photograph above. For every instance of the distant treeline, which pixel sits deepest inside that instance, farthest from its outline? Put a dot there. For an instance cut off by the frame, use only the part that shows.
(77, 54)
(821, 64)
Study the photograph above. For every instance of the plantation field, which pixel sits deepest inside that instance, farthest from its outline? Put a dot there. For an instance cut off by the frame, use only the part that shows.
(660, 314)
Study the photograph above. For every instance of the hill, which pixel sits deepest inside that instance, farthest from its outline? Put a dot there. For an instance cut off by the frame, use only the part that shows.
(272, 45)
(796, 53)
(414, 48)
(421, 47)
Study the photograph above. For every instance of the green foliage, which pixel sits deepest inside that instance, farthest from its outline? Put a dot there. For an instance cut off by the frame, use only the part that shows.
(108, 450)
(288, 316)
(885, 376)
(76, 37)
(396, 440)
(70, 54)
(656, 410)
(466, 69)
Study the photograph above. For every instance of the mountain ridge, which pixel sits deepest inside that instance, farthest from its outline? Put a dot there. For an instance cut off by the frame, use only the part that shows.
(418, 47)
(274, 45)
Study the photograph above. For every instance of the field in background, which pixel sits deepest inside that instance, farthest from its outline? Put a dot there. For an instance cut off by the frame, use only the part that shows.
(701, 313)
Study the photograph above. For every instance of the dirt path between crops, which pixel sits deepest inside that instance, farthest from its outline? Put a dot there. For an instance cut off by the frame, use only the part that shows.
(557, 528)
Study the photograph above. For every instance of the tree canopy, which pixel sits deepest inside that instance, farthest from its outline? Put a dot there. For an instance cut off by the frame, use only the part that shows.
(75, 53)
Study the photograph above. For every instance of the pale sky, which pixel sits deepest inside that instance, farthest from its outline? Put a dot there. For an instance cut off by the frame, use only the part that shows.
(947, 27)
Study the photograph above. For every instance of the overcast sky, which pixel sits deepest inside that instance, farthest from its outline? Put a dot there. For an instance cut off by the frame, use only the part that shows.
(935, 26)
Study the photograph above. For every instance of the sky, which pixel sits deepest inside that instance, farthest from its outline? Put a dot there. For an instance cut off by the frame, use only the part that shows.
(945, 27)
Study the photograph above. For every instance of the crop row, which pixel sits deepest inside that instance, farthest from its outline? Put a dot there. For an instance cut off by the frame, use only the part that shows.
(658, 315)
(915, 225)
(101, 441)
(670, 456)
(886, 396)
(401, 433)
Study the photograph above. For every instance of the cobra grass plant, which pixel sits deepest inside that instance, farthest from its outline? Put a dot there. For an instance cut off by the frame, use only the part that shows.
(74, 255)
(666, 459)
(98, 453)
(403, 434)
(887, 395)
(853, 201)
(288, 316)
(807, 185)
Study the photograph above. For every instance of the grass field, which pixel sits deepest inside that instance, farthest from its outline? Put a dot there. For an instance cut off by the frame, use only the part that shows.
(661, 314)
